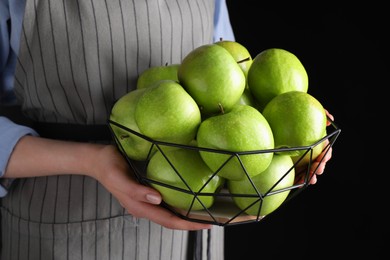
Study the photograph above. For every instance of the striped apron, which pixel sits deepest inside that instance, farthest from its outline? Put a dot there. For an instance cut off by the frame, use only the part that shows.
(77, 57)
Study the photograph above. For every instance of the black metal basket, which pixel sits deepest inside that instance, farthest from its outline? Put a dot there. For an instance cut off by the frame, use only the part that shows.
(224, 211)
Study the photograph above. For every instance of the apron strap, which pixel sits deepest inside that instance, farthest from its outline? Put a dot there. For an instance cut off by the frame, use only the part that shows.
(74, 132)
(59, 131)
(15, 114)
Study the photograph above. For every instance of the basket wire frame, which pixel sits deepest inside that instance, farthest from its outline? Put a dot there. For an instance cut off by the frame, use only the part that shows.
(222, 195)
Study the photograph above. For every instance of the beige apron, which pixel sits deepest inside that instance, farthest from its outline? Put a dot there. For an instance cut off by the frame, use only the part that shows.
(76, 58)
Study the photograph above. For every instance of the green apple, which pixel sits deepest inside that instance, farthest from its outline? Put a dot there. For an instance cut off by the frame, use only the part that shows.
(275, 71)
(212, 77)
(166, 112)
(239, 52)
(269, 184)
(311, 155)
(153, 74)
(297, 119)
(122, 112)
(247, 99)
(242, 129)
(181, 176)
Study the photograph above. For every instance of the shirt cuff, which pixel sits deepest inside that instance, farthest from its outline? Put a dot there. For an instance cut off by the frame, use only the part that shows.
(10, 134)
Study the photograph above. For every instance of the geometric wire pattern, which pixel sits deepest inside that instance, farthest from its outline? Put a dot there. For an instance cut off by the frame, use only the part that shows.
(224, 211)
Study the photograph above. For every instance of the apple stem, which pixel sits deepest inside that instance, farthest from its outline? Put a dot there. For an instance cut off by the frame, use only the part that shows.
(244, 60)
(124, 136)
(221, 108)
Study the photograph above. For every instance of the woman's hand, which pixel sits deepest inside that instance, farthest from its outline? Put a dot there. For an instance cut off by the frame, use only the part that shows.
(113, 172)
(46, 157)
(318, 165)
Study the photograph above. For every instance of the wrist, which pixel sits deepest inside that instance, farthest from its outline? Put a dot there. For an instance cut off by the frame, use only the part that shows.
(89, 159)
(101, 160)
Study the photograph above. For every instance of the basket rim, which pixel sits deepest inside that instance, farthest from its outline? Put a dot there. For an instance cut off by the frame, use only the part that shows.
(206, 215)
(334, 133)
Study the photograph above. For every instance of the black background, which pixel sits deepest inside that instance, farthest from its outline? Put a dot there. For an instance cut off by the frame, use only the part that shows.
(344, 53)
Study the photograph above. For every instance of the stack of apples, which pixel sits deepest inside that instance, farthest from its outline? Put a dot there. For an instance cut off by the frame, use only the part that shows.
(221, 120)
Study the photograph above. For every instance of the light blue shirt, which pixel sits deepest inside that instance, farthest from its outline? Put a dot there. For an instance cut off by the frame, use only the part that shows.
(11, 18)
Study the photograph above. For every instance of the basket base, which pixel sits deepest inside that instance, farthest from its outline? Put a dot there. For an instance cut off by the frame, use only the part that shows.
(223, 212)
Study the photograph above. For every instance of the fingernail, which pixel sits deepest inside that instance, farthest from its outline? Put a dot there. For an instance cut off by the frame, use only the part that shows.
(153, 198)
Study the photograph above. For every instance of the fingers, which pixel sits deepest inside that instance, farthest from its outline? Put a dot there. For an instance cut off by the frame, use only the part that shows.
(139, 203)
(330, 116)
(143, 201)
(124, 185)
(325, 155)
(301, 178)
(164, 217)
(317, 167)
(313, 179)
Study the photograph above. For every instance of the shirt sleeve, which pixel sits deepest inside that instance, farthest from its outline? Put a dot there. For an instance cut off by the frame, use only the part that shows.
(10, 134)
(222, 25)
(4, 46)
(11, 18)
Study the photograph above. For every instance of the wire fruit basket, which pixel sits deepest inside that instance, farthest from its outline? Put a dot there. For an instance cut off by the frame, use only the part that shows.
(224, 209)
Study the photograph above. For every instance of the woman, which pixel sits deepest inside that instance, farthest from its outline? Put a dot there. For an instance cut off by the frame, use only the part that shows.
(67, 192)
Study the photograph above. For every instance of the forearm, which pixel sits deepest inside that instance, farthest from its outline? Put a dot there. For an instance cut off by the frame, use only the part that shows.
(35, 156)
